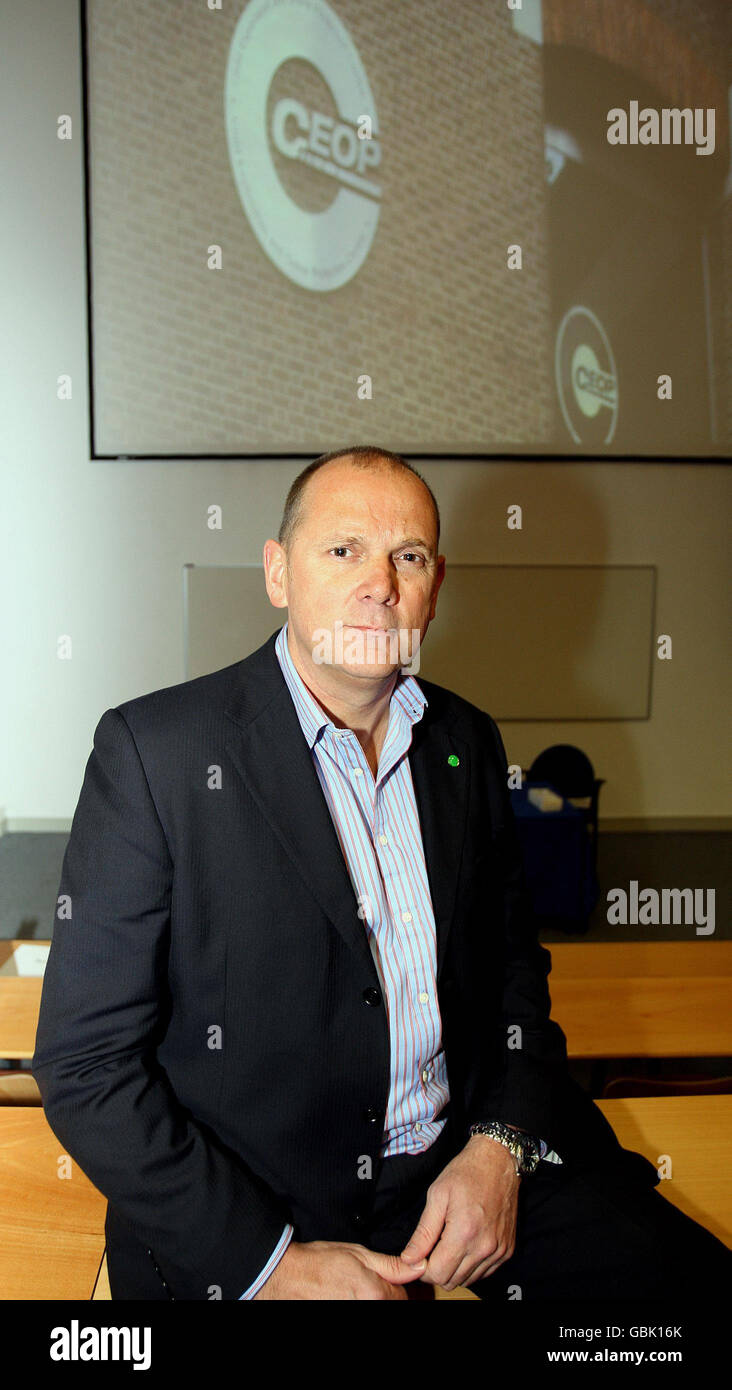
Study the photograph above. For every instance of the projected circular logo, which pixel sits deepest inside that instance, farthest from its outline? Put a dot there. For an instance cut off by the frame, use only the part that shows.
(586, 377)
(303, 140)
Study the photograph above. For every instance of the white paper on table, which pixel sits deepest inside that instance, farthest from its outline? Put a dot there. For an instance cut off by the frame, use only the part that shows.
(29, 958)
(545, 799)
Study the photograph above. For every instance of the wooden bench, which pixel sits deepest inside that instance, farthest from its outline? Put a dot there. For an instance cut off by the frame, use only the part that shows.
(52, 1228)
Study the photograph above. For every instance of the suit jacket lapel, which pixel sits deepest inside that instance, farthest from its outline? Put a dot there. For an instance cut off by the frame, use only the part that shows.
(272, 757)
(441, 791)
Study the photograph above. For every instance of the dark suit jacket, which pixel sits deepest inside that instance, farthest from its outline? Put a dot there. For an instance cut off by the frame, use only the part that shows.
(213, 1045)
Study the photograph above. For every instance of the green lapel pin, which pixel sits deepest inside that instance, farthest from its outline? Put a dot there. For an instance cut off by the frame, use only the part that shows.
(454, 760)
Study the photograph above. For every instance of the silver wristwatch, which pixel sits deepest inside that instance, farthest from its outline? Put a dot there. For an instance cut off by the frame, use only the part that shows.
(526, 1149)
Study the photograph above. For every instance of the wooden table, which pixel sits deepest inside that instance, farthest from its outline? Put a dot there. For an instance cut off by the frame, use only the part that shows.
(696, 1133)
(612, 999)
(51, 1228)
(643, 998)
(634, 999)
(20, 1002)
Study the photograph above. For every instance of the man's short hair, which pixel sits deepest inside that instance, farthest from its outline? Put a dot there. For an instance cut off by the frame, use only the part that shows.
(366, 456)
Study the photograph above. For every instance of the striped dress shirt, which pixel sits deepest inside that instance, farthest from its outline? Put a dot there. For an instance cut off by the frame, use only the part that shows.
(377, 824)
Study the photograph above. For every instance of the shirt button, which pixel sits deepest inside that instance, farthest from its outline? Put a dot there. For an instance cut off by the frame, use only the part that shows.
(425, 1074)
(418, 1125)
(383, 840)
(424, 998)
(406, 916)
(358, 772)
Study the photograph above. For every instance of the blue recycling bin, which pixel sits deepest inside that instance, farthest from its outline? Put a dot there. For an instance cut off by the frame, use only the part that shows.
(557, 852)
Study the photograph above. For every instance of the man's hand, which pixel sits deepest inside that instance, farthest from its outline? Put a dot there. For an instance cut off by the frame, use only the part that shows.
(329, 1269)
(468, 1226)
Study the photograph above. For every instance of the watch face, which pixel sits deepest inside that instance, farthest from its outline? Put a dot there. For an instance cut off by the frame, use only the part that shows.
(531, 1155)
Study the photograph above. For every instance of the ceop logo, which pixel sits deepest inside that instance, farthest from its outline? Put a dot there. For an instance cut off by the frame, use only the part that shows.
(321, 249)
(586, 377)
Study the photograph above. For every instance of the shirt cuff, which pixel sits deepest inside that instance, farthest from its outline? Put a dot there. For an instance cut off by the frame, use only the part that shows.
(271, 1264)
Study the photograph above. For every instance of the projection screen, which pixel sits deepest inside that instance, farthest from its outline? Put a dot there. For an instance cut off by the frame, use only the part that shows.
(468, 228)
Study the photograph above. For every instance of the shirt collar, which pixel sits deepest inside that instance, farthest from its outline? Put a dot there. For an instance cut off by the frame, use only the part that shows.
(407, 696)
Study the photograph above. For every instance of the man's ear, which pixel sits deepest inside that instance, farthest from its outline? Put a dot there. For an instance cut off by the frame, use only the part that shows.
(274, 560)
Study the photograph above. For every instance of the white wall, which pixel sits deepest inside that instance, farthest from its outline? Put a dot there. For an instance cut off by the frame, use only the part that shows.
(95, 550)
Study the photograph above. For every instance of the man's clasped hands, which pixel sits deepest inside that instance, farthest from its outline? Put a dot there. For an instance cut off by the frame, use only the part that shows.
(467, 1229)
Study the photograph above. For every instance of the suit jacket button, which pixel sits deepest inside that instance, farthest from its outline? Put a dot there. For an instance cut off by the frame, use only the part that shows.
(371, 996)
(370, 1114)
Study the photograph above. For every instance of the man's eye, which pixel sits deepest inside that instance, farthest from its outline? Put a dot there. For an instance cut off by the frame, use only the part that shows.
(414, 554)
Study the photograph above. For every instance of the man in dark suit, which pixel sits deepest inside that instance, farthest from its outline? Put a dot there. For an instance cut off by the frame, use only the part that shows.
(295, 1021)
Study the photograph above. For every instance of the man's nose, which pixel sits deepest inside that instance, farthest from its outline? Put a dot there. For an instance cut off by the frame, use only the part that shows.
(379, 582)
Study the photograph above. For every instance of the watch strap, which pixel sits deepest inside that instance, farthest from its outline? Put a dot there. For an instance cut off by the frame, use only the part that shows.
(526, 1149)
